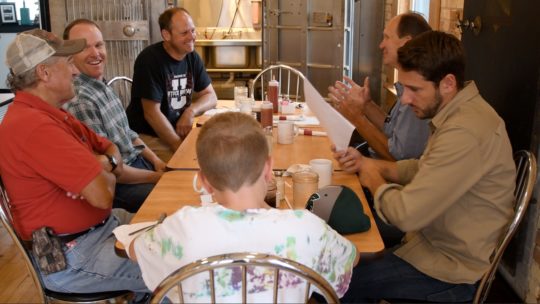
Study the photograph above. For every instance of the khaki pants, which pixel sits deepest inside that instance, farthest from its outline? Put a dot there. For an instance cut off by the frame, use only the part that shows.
(159, 147)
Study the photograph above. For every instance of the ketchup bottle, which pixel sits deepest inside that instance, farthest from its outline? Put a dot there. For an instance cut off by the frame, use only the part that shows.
(266, 114)
(273, 92)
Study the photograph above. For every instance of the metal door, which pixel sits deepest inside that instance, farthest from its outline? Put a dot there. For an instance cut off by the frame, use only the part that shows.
(128, 26)
(313, 36)
(367, 57)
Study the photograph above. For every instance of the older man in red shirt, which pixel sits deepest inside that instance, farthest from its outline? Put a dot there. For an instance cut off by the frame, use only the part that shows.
(57, 172)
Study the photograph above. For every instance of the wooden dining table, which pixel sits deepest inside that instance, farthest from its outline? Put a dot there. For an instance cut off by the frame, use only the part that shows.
(175, 190)
(303, 149)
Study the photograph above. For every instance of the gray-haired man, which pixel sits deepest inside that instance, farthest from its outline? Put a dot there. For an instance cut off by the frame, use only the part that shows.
(46, 153)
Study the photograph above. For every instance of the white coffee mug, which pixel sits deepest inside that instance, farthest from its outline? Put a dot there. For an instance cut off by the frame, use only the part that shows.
(206, 197)
(323, 167)
(196, 188)
(285, 132)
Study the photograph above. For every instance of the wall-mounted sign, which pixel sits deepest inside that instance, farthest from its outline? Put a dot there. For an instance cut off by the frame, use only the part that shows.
(8, 13)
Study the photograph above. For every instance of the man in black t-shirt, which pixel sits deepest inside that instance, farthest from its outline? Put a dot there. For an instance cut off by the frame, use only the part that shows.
(170, 86)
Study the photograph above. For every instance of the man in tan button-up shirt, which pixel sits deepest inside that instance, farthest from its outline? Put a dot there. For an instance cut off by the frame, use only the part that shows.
(453, 202)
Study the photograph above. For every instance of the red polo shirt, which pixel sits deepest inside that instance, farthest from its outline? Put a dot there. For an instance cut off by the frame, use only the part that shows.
(44, 153)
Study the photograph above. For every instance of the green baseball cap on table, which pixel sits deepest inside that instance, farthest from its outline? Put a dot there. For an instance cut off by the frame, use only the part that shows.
(340, 208)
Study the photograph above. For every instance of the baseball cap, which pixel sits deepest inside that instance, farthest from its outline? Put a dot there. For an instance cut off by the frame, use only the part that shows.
(340, 208)
(32, 47)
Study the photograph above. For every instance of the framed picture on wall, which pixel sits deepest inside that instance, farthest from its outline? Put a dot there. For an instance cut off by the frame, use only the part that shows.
(8, 13)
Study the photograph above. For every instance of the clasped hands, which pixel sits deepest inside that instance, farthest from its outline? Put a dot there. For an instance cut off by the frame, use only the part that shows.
(185, 123)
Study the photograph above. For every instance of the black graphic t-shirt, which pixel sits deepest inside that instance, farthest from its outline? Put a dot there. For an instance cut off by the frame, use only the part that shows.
(158, 76)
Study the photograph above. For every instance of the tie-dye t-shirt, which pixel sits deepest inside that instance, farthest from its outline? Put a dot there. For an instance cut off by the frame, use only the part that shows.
(194, 233)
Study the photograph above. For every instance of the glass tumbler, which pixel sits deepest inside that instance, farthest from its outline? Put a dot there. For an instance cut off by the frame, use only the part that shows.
(305, 183)
(239, 94)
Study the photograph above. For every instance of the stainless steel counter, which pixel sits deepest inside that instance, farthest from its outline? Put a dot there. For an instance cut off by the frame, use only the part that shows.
(228, 42)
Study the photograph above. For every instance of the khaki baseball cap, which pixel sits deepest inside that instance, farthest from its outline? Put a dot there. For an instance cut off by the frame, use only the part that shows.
(30, 48)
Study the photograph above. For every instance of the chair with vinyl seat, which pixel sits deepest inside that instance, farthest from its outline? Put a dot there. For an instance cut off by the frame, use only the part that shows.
(525, 181)
(290, 82)
(173, 288)
(49, 296)
(122, 87)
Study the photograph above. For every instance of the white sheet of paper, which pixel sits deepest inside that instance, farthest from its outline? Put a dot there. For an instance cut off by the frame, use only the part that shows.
(122, 233)
(308, 121)
(213, 112)
(338, 127)
(299, 120)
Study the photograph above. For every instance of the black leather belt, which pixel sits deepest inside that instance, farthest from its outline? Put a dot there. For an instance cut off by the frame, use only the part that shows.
(66, 238)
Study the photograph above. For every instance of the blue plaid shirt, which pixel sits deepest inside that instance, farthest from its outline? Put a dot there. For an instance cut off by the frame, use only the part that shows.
(100, 109)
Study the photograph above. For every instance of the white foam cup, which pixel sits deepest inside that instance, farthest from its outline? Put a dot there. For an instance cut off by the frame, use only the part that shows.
(285, 132)
(324, 169)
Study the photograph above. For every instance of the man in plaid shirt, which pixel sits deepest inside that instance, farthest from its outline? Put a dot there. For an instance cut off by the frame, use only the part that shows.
(100, 109)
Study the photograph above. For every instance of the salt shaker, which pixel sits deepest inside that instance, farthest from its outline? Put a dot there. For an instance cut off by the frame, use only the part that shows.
(305, 183)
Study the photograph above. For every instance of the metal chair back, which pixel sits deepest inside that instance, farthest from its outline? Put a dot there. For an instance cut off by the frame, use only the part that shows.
(170, 289)
(525, 181)
(46, 295)
(4, 107)
(290, 82)
(122, 87)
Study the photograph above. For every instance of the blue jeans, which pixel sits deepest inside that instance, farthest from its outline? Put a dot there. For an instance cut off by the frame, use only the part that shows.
(93, 265)
(390, 277)
(131, 196)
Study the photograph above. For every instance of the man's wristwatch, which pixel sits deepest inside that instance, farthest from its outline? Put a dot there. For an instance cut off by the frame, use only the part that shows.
(112, 161)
